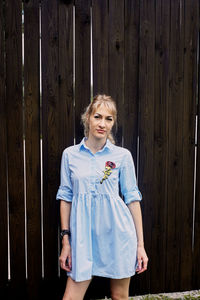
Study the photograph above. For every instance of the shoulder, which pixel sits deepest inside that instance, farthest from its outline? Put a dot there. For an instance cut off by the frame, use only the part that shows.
(122, 156)
(70, 150)
(121, 150)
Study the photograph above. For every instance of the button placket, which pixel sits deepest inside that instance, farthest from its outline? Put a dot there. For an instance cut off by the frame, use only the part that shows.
(92, 176)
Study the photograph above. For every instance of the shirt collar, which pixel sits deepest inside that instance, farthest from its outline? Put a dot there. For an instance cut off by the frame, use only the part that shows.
(108, 145)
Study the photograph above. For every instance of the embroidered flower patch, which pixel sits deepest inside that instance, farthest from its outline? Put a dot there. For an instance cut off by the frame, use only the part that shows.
(108, 170)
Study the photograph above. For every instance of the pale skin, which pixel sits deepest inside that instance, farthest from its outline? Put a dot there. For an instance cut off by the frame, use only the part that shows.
(100, 122)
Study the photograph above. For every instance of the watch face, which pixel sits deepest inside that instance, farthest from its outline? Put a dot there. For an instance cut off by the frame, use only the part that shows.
(64, 232)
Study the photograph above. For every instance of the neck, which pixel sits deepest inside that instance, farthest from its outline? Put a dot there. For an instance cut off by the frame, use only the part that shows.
(95, 145)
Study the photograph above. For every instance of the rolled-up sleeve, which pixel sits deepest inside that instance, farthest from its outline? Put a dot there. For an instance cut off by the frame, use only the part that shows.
(128, 182)
(65, 188)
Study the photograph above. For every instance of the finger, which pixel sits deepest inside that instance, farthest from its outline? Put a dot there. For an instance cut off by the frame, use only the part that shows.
(65, 267)
(63, 264)
(145, 264)
(144, 267)
(67, 263)
(139, 267)
(70, 261)
(142, 270)
(68, 269)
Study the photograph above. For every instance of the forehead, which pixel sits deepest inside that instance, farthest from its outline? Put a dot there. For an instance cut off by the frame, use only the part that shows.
(103, 110)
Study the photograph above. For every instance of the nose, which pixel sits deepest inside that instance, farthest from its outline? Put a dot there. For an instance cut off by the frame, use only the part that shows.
(102, 123)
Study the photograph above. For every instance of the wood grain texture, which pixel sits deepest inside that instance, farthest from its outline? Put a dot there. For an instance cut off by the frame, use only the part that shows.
(15, 140)
(196, 251)
(82, 63)
(131, 88)
(66, 72)
(191, 30)
(175, 150)
(116, 61)
(146, 128)
(131, 78)
(160, 146)
(66, 86)
(100, 34)
(3, 159)
(32, 140)
(50, 132)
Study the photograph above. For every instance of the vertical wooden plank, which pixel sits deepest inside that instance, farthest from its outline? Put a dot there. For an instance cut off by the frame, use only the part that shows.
(131, 79)
(82, 62)
(146, 130)
(161, 95)
(3, 158)
(15, 143)
(175, 150)
(66, 93)
(131, 87)
(100, 31)
(32, 142)
(196, 250)
(50, 131)
(116, 60)
(188, 145)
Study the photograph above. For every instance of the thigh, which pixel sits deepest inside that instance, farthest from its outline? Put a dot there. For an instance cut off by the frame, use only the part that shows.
(120, 288)
(75, 290)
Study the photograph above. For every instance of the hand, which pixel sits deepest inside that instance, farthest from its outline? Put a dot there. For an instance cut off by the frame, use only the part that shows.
(142, 259)
(65, 258)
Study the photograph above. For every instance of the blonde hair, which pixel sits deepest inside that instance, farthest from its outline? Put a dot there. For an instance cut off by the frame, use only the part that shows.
(96, 102)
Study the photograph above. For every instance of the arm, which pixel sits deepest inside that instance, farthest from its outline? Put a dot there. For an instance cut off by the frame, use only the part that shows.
(65, 256)
(132, 198)
(135, 210)
(64, 195)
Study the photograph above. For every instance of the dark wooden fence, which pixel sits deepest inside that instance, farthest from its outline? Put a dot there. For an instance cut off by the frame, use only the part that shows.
(145, 53)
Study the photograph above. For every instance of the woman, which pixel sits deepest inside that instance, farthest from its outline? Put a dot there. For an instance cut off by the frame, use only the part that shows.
(102, 235)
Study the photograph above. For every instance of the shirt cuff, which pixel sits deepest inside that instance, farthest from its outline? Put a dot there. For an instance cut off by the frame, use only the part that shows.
(132, 196)
(64, 193)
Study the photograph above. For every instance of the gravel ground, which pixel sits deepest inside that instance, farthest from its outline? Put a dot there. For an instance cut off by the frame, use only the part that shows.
(195, 294)
(188, 295)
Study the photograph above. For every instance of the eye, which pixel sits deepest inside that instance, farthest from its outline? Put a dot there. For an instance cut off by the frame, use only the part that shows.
(96, 117)
(109, 118)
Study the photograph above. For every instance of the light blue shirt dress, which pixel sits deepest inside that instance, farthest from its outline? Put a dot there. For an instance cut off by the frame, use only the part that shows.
(103, 235)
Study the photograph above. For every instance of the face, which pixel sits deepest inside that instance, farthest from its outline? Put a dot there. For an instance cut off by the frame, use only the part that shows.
(101, 122)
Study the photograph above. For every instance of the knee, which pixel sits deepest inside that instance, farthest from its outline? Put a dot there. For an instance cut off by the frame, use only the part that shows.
(118, 294)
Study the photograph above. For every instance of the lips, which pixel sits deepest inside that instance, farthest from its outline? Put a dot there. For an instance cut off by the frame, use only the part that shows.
(100, 131)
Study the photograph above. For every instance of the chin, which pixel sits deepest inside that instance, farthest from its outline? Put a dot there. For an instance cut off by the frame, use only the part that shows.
(101, 136)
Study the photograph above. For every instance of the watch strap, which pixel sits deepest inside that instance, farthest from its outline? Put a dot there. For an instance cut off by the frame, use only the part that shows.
(65, 232)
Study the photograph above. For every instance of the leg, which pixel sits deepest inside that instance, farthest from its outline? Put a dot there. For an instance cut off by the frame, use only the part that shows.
(75, 290)
(119, 288)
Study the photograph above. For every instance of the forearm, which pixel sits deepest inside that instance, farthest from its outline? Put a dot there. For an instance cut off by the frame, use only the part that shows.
(135, 210)
(65, 209)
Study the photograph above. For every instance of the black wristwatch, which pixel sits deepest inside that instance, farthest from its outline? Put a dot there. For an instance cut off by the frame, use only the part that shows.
(65, 232)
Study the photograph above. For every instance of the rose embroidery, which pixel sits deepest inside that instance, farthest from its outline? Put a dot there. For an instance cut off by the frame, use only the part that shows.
(108, 170)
